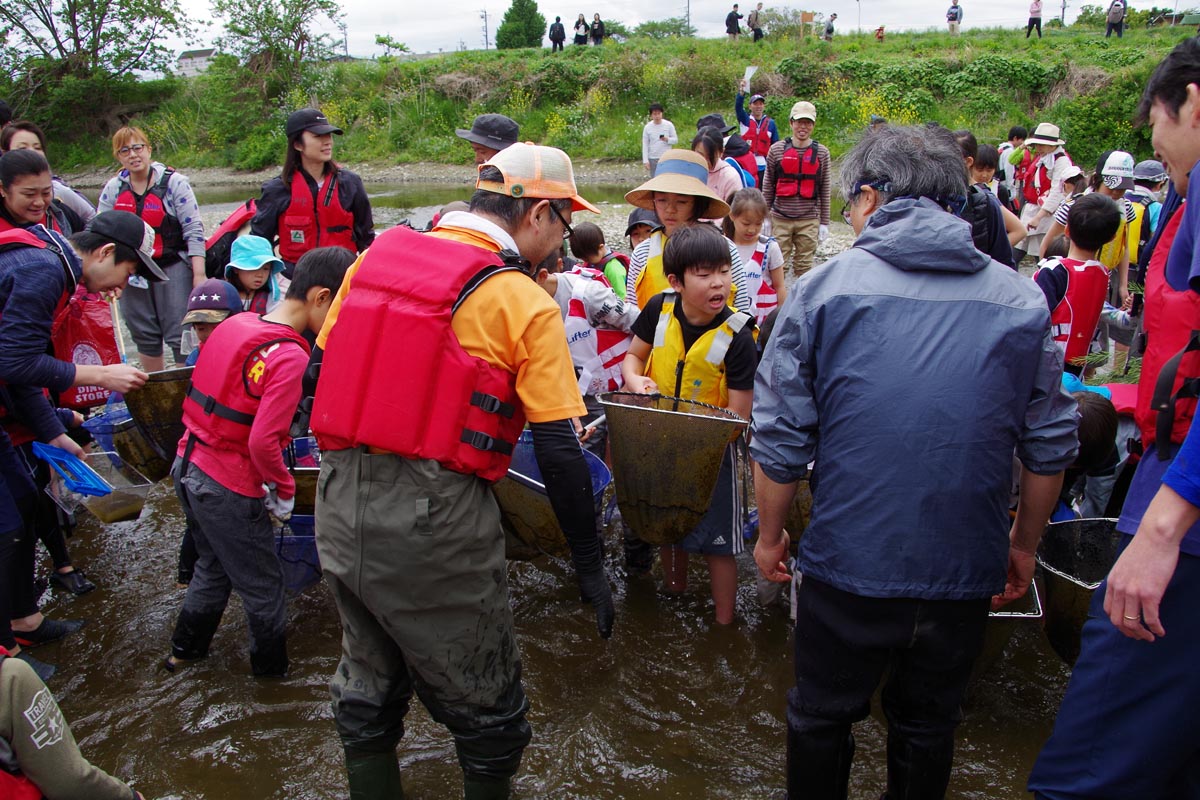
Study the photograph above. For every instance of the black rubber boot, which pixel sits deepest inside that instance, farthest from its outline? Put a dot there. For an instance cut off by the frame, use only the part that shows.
(270, 658)
(193, 634)
(918, 773)
(373, 776)
(477, 788)
(819, 766)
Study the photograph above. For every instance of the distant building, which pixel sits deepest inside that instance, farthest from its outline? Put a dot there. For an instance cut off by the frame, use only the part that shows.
(193, 62)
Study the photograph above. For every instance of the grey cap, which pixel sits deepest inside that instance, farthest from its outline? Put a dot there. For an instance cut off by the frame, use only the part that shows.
(1149, 170)
(491, 130)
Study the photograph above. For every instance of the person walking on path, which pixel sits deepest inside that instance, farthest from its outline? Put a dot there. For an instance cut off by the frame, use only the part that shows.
(1035, 18)
(954, 16)
(409, 532)
(828, 36)
(581, 30)
(658, 136)
(797, 185)
(558, 35)
(1129, 710)
(900, 591)
(597, 30)
(754, 22)
(1115, 19)
(731, 24)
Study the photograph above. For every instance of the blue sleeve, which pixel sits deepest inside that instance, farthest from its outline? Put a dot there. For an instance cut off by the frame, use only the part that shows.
(1049, 438)
(774, 132)
(33, 290)
(784, 421)
(739, 108)
(1184, 473)
(1183, 262)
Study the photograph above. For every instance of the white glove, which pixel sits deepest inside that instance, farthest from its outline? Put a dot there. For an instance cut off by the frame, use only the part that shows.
(822, 233)
(277, 507)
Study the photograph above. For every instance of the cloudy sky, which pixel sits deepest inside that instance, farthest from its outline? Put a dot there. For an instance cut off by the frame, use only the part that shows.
(457, 24)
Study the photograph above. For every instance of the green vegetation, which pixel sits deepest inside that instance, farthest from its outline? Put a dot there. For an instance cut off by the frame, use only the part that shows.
(591, 101)
(522, 26)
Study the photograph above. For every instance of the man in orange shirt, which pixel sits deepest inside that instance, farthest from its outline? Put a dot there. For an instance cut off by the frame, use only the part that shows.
(438, 348)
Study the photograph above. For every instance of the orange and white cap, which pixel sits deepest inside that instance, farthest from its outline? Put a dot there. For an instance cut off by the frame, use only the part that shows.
(533, 170)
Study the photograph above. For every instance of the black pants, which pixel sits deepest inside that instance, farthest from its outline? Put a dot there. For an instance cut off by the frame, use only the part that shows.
(46, 522)
(556, 46)
(846, 644)
(1034, 22)
(17, 496)
(1118, 27)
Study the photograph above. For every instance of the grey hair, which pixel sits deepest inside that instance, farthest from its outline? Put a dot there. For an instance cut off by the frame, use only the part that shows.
(915, 161)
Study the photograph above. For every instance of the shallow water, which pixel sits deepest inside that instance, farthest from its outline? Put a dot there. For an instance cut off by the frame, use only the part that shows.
(668, 708)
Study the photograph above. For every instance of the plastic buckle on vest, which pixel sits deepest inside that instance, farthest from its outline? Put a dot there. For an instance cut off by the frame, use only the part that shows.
(492, 404)
(481, 441)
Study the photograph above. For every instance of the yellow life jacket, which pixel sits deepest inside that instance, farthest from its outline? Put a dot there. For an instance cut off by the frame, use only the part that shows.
(652, 279)
(1140, 218)
(1110, 254)
(697, 374)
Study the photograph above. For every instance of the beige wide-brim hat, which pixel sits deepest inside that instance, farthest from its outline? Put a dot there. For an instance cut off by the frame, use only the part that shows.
(680, 172)
(1045, 133)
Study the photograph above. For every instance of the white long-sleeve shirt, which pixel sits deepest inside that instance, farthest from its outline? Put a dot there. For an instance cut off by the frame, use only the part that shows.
(652, 146)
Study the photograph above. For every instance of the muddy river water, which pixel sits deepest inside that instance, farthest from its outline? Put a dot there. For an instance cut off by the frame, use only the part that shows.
(670, 707)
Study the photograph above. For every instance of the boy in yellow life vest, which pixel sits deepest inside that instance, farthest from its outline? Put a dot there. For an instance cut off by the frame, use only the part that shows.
(688, 343)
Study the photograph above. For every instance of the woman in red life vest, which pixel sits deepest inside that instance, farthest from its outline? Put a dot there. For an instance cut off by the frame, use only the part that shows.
(314, 203)
(24, 135)
(27, 194)
(164, 200)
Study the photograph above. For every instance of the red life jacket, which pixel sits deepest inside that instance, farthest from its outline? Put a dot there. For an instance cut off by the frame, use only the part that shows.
(765, 298)
(596, 352)
(798, 171)
(225, 391)
(10, 239)
(1073, 320)
(445, 404)
(758, 136)
(51, 221)
(14, 785)
(303, 228)
(1170, 317)
(746, 161)
(1035, 178)
(152, 208)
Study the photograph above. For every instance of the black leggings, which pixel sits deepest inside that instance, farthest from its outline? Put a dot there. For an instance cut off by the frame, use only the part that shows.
(16, 542)
(1034, 22)
(46, 522)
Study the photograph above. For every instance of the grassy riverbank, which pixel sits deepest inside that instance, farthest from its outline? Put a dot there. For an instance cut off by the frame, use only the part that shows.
(591, 101)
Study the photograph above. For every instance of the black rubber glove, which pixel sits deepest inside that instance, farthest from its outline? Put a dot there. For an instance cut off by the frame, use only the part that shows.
(569, 486)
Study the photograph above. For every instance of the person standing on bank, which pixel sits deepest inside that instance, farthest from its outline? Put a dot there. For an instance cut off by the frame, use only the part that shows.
(754, 22)
(409, 456)
(731, 24)
(829, 28)
(489, 134)
(164, 199)
(581, 32)
(1035, 18)
(558, 35)
(314, 202)
(954, 16)
(1115, 19)
(797, 185)
(902, 588)
(597, 30)
(658, 136)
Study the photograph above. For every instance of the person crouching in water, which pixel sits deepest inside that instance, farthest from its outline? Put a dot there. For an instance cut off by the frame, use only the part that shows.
(229, 471)
(254, 271)
(707, 354)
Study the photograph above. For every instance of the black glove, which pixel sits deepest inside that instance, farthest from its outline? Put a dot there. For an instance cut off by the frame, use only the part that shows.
(594, 589)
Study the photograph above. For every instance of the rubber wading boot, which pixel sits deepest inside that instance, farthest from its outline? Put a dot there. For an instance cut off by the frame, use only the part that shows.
(373, 776)
(476, 788)
(917, 773)
(819, 767)
(270, 659)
